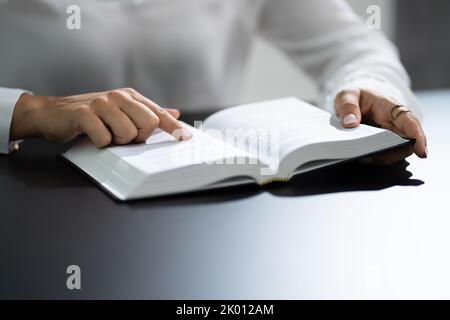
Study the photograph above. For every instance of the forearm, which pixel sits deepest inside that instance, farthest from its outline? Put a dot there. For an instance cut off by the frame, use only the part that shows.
(335, 47)
(24, 119)
(367, 61)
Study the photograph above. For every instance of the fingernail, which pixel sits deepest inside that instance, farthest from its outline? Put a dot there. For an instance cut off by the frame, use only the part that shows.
(426, 152)
(350, 119)
(182, 134)
(173, 109)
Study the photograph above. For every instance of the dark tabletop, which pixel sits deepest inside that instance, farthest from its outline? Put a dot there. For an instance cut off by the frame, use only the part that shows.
(344, 232)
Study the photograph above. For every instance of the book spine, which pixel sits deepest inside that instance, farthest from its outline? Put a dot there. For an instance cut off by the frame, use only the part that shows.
(272, 180)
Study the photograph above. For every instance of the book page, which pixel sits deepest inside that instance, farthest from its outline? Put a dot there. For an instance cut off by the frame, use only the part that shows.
(163, 153)
(284, 125)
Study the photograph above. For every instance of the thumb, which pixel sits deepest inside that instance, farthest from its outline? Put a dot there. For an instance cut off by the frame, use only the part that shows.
(346, 106)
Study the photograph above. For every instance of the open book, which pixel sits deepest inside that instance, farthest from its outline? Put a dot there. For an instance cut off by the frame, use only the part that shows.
(254, 143)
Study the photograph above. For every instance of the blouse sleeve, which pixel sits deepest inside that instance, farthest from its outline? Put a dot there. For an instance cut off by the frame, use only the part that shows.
(8, 99)
(334, 46)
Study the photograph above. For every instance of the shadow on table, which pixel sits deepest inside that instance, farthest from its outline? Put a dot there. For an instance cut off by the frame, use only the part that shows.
(346, 177)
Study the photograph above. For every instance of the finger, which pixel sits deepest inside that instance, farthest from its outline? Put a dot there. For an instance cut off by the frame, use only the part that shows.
(166, 121)
(410, 128)
(89, 124)
(122, 128)
(145, 131)
(145, 120)
(173, 112)
(389, 157)
(347, 108)
(380, 109)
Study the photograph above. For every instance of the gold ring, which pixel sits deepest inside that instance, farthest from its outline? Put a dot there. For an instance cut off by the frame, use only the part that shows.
(397, 111)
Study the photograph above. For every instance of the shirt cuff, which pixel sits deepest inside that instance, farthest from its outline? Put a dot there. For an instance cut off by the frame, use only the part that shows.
(8, 100)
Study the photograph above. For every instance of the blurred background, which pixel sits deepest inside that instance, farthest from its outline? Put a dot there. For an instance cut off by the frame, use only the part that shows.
(421, 30)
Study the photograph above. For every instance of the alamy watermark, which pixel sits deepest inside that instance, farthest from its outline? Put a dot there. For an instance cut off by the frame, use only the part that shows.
(234, 146)
(373, 21)
(73, 281)
(73, 21)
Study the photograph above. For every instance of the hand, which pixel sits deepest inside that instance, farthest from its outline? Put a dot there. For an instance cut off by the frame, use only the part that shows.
(118, 116)
(356, 105)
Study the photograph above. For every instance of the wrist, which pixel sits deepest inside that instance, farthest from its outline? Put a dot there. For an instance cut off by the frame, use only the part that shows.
(24, 122)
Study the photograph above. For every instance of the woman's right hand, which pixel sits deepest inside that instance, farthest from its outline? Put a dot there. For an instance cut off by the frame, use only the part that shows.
(118, 116)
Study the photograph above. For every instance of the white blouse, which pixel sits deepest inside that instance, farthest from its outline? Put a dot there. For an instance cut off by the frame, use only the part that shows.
(186, 54)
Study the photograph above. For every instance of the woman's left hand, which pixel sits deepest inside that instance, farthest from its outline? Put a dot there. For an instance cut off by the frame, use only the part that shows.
(355, 106)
